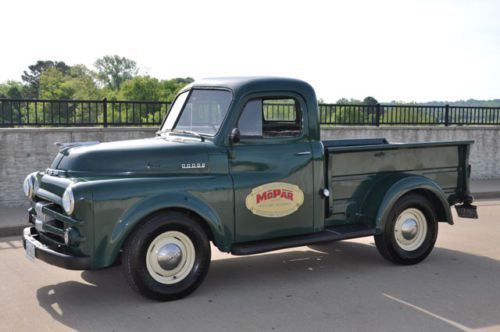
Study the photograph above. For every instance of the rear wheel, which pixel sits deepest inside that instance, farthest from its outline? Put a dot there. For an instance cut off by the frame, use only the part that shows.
(410, 231)
(167, 257)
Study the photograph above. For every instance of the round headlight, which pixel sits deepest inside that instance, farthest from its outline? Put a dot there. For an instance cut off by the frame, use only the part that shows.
(28, 185)
(67, 237)
(71, 237)
(68, 201)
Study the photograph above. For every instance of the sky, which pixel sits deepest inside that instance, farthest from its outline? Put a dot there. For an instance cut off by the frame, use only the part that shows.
(391, 50)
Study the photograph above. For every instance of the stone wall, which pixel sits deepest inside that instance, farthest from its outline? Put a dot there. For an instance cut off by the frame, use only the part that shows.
(25, 150)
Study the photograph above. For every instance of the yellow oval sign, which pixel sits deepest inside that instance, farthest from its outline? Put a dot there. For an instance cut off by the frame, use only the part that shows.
(274, 200)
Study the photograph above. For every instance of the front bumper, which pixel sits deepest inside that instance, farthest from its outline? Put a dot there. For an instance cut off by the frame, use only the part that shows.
(53, 257)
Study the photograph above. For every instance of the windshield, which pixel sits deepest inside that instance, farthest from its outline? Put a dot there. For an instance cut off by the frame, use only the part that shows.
(202, 113)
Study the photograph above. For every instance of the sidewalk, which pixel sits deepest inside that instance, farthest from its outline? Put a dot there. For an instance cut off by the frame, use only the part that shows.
(13, 220)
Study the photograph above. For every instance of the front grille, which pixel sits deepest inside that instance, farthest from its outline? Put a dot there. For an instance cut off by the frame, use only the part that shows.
(48, 222)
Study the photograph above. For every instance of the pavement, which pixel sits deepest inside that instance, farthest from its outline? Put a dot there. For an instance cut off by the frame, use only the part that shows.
(341, 286)
(14, 219)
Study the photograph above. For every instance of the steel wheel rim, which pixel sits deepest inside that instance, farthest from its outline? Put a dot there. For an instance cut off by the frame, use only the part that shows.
(410, 229)
(166, 243)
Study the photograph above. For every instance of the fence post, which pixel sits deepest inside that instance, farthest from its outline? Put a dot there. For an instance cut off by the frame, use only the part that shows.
(377, 115)
(447, 115)
(105, 112)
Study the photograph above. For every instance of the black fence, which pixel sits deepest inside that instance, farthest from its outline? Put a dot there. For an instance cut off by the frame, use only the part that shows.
(64, 113)
(67, 113)
(398, 114)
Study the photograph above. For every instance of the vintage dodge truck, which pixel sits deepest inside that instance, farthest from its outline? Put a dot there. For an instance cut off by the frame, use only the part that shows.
(239, 163)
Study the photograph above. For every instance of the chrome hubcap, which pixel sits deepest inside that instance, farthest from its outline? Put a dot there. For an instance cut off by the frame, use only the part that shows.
(169, 256)
(410, 229)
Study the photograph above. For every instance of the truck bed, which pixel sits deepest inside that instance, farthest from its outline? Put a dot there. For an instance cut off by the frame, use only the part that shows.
(355, 167)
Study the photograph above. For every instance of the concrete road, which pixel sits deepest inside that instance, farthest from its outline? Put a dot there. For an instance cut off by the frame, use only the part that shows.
(344, 286)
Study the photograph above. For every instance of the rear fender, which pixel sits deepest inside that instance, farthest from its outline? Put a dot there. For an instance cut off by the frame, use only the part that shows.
(386, 193)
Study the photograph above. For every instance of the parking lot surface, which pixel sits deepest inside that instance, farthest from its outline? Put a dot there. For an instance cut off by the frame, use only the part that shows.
(342, 286)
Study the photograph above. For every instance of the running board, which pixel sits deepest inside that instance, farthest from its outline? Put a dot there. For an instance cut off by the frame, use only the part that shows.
(334, 233)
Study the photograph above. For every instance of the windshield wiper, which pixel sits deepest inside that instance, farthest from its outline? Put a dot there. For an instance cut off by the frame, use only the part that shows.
(188, 132)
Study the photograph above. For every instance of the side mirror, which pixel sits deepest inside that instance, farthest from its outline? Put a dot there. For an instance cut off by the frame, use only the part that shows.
(235, 135)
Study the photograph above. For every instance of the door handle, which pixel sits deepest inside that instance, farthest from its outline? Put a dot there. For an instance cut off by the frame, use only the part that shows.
(303, 153)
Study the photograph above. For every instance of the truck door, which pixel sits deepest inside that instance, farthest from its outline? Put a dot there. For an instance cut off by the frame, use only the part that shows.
(272, 171)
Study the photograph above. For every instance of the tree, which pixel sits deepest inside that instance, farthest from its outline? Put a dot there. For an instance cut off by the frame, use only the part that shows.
(169, 88)
(10, 111)
(12, 90)
(113, 70)
(31, 77)
(51, 85)
(81, 82)
(370, 101)
(345, 101)
(147, 88)
(351, 114)
(77, 83)
(142, 88)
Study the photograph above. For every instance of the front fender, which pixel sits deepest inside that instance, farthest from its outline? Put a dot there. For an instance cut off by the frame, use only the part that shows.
(405, 185)
(134, 215)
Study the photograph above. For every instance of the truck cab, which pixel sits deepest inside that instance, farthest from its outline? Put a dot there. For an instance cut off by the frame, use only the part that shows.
(239, 163)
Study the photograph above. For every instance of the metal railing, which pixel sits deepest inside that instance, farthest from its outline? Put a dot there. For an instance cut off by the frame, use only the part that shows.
(67, 113)
(399, 114)
(71, 113)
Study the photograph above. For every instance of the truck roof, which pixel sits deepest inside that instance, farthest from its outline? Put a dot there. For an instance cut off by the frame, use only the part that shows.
(249, 84)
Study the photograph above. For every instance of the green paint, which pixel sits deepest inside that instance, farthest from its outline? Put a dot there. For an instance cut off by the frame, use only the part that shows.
(118, 184)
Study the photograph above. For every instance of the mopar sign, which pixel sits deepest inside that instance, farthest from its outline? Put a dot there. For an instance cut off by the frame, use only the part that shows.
(274, 200)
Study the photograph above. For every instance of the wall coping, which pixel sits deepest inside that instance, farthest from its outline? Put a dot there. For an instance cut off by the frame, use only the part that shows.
(328, 128)
(75, 129)
(479, 127)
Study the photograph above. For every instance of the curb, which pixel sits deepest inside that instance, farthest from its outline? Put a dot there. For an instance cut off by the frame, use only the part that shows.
(487, 195)
(12, 230)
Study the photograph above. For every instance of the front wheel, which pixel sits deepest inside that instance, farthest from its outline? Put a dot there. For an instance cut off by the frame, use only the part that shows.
(410, 231)
(167, 257)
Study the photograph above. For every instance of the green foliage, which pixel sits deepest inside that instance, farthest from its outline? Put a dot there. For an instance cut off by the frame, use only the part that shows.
(406, 114)
(351, 115)
(370, 101)
(345, 101)
(115, 79)
(113, 70)
(78, 83)
(31, 77)
(279, 110)
(12, 90)
(147, 88)
(52, 85)
(82, 84)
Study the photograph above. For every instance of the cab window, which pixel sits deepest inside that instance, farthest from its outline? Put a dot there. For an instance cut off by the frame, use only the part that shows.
(270, 117)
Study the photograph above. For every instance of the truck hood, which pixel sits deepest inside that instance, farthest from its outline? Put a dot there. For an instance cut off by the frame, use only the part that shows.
(140, 157)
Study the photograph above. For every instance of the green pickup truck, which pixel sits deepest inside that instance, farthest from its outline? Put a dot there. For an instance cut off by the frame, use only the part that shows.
(239, 163)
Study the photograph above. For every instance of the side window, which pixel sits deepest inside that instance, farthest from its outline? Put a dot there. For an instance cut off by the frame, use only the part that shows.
(270, 117)
(250, 122)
